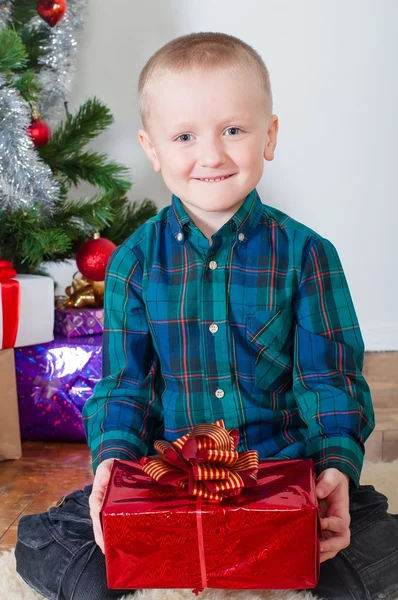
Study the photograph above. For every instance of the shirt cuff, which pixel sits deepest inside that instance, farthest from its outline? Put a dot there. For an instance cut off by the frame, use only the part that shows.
(339, 452)
(117, 445)
(111, 454)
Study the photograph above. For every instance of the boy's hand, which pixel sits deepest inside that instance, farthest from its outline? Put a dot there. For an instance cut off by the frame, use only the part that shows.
(100, 484)
(332, 487)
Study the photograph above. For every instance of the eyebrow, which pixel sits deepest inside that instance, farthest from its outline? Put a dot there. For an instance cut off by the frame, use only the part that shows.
(187, 124)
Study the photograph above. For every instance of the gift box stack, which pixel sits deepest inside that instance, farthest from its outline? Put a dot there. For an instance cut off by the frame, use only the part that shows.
(55, 379)
(201, 515)
(26, 318)
(57, 349)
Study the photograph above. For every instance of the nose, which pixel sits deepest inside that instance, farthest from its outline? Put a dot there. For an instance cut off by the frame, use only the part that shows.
(212, 153)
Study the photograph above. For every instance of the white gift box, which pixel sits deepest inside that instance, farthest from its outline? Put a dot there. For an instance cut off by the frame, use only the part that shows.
(36, 311)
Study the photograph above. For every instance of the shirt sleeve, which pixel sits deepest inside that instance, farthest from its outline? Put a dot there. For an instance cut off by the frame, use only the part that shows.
(124, 415)
(333, 397)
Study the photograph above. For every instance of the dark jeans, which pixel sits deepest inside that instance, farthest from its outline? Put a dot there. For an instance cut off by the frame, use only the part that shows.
(57, 555)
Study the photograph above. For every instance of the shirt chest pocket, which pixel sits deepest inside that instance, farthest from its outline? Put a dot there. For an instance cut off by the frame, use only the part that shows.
(270, 338)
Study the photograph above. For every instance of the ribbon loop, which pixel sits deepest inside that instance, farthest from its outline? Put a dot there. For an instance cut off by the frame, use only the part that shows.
(9, 305)
(7, 270)
(82, 293)
(204, 462)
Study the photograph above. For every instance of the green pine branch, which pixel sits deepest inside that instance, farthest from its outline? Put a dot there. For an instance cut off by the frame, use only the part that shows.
(27, 85)
(26, 239)
(81, 218)
(22, 12)
(13, 55)
(94, 168)
(130, 217)
(34, 39)
(91, 119)
(44, 244)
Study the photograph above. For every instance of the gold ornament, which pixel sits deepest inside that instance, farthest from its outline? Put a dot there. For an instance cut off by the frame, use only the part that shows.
(83, 292)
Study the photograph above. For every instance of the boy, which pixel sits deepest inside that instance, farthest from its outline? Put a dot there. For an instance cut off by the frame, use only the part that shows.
(223, 307)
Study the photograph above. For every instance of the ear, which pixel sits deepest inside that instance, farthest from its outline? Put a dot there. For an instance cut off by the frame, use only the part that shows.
(273, 128)
(149, 148)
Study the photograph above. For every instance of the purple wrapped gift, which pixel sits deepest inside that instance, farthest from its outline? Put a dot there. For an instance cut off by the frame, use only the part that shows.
(54, 380)
(73, 322)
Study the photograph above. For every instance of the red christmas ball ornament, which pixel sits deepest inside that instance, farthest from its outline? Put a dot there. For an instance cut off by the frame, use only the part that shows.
(40, 132)
(51, 11)
(92, 257)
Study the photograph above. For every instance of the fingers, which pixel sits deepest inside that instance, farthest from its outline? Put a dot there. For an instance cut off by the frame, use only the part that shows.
(323, 506)
(336, 543)
(336, 536)
(96, 498)
(326, 484)
(335, 519)
(98, 535)
(103, 474)
(336, 524)
(338, 504)
(328, 480)
(95, 502)
(326, 535)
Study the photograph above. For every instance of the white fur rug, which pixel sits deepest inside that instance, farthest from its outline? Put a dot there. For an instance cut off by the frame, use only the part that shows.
(383, 476)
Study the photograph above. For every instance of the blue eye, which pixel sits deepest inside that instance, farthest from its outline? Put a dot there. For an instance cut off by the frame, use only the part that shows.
(187, 135)
(234, 129)
(183, 135)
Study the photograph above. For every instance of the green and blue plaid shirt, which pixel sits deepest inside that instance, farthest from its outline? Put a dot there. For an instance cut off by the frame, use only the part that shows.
(258, 329)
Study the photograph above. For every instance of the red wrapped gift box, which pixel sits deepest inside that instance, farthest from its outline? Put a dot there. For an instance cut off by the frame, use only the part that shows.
(267, 537)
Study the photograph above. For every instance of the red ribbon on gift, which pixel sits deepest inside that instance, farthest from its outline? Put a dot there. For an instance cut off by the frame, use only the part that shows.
(204, 462)
(9, 305)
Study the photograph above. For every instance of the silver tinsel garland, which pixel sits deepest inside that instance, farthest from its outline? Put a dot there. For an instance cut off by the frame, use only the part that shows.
(58, 62)
(24, 178)
(5, 12)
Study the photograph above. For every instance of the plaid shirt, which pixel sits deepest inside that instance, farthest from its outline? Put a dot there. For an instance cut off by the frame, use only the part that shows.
(258, 329)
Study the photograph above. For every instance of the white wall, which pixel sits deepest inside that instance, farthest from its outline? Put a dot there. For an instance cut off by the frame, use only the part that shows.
(334, 76)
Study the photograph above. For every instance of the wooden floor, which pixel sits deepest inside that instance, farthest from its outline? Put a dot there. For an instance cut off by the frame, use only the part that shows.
(381, 373)
(47, 471)
(33, 483)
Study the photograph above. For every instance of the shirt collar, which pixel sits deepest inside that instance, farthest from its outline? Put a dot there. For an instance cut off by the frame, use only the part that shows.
(242, 222)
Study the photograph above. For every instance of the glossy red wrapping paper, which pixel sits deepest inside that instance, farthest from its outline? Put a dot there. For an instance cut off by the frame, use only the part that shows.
(265, 538)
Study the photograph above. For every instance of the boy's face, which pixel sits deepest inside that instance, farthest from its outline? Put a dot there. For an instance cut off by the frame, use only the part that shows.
(208, 124)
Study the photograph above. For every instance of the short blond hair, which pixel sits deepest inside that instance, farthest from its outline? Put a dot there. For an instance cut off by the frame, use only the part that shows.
(208, 50)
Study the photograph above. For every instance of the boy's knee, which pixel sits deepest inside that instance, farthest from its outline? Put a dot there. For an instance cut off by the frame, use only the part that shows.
(86, 578)
(38, 558)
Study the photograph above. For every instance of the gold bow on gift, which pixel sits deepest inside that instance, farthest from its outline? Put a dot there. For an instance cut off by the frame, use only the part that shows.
(83, 292)
(204, 462)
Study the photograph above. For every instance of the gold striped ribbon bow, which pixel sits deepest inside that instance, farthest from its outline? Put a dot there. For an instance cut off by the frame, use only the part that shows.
(204, 462)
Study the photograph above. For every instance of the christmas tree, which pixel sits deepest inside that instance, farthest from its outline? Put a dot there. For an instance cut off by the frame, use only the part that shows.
(43, 152)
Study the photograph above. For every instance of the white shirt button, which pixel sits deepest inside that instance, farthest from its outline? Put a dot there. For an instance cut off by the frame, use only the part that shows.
(241, 237)
(213, 265)
(220, 393)
(213, 328)
(179, 236)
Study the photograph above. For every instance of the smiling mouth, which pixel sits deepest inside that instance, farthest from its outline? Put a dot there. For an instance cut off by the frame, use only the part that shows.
(215, 179)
